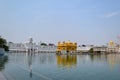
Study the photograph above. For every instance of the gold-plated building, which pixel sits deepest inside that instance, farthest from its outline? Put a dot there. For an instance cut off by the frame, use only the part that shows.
(111, 43)
(66, 47)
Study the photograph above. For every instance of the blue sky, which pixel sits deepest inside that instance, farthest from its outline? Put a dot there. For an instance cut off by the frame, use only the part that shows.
(81, 21)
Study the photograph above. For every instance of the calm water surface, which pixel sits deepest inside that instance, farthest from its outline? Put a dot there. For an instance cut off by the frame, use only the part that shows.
(49, 66)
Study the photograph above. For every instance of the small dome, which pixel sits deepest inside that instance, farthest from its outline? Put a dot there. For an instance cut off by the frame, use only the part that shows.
(111, 41)
(69, 41)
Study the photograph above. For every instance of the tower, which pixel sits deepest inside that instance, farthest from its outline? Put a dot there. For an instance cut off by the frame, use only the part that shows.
(118, 40)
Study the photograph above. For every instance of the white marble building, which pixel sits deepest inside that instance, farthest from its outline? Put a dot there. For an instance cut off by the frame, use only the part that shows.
(30, 46)
(16, 47)
(112, 47)
(99, 49)
(84, 48)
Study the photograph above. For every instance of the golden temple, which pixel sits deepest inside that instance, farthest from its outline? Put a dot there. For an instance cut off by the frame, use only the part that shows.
(66, 47)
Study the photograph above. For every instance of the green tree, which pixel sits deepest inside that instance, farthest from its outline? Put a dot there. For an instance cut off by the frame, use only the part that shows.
(44, 44)
(91, 50)
(6, 48)
(3, 43)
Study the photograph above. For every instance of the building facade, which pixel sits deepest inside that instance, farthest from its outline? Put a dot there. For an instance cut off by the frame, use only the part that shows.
(84, 48)
(66, 47)
(99, 49)
(112, 47)
(30, 46)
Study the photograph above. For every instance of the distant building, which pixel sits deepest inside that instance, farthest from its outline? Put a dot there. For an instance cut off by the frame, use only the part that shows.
(30, 46)
(84, 48)
(99, 49)
(16, 47)
(112, 47)
(66, 47)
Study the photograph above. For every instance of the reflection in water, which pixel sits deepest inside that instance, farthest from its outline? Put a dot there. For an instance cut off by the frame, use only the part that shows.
(3, 61)
(71, 60)
(30, 59)
(111, 59)
(45, 58)
(98, 57)
(62, 67)
(66, 60)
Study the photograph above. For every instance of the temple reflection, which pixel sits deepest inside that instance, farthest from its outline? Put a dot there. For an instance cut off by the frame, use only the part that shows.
(113, 59)
(67, 61)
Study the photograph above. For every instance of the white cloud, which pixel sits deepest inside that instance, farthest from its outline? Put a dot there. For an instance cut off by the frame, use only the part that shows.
(111, 14)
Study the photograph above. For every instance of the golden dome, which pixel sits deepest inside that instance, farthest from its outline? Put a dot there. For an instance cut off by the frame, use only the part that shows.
(68, 42)
(111, 41)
